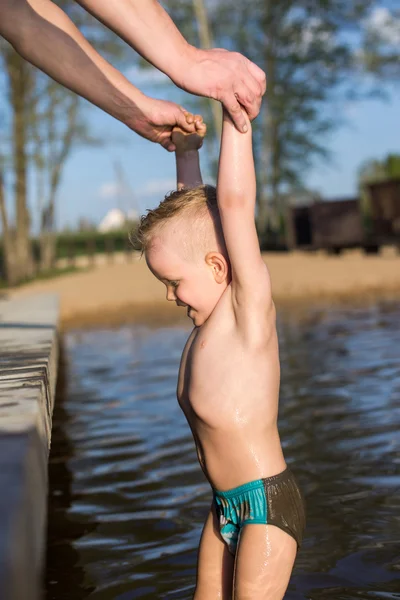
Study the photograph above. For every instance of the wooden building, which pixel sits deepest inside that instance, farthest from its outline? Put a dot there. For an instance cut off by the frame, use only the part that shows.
(331, 225)
(336, 224)
(385, 211)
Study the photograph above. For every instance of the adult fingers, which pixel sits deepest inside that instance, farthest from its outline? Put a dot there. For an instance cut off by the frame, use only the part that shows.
(167, 143)
(258, 75)
(164, 138)
(248, 99)
(184, 119)
(235, 112)
(189, 116)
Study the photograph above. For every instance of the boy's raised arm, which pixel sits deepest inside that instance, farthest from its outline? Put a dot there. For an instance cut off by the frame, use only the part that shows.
(236, 194)
(187, 145)
(188, 173)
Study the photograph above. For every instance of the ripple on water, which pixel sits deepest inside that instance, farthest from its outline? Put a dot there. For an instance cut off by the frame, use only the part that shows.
(128, 500)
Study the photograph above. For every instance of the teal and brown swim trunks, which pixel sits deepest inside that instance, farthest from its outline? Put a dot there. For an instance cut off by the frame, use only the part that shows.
(276, 500)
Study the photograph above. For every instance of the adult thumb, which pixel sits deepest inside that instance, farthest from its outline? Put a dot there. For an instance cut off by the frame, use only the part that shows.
(184, 119)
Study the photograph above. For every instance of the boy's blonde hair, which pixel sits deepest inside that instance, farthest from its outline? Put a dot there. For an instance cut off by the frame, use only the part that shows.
(196, 211)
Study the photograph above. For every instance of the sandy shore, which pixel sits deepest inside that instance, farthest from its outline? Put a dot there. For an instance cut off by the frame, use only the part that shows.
(116, 293)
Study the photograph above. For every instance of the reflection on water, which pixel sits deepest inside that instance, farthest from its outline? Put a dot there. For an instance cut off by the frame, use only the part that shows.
(128, 499)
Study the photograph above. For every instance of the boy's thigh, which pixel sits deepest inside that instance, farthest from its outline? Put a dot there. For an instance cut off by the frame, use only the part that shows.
(264, 563)
(215, 563)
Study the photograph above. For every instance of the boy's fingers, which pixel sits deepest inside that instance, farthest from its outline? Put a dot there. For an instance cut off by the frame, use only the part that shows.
(202, 129)
(235, 111)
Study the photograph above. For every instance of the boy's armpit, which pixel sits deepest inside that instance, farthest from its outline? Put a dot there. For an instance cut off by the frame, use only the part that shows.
(254, 289)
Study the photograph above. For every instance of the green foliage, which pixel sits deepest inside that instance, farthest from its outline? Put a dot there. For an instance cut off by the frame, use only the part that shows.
(81, 243)
(373, 171)
(380, 53)
(303, 48)
(85, 242)
(51, 123)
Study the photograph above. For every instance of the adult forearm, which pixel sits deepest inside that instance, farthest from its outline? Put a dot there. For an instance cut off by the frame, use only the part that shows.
(147, 28)
(188, 173)
(46, 37)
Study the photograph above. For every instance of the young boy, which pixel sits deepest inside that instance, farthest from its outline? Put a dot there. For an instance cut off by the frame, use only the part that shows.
(202, 244)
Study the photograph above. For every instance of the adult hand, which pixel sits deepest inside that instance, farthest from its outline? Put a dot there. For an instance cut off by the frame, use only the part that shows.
(156, 119)
(228, 77)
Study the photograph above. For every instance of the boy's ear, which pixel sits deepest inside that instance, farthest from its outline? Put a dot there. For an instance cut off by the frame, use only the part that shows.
(219, 266)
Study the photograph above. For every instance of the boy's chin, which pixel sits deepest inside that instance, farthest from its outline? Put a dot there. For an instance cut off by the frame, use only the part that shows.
(198, 320)
(194, 319)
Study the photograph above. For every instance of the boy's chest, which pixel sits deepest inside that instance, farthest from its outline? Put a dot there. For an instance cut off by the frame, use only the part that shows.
(211, 366)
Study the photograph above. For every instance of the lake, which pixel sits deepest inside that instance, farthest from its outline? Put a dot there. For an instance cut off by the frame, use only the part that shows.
(127, 499)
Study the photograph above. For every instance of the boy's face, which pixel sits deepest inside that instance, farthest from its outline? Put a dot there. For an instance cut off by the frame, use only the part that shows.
(189, 283)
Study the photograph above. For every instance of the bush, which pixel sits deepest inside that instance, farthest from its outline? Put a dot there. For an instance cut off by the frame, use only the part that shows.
(82, 243)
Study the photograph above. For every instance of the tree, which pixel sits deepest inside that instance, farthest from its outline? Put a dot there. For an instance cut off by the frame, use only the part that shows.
(380, 50)
(19, 78)
(373, 171)
(58, 128)
(44, 122)
(305, 49)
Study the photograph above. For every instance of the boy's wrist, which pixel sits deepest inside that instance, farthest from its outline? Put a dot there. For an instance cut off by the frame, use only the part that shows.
(186, 154)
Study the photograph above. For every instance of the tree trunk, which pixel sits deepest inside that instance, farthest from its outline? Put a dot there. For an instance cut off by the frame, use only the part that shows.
(48, 237)
(9, 254)
(20, 83)
(203, 27)
(47, 251)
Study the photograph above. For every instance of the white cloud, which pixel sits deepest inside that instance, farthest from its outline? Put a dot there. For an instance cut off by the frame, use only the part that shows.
(110, 190)
(385, 25)
(157, 186)
(147, 76)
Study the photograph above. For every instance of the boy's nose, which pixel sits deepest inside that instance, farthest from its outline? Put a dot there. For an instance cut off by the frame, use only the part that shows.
(171, 295)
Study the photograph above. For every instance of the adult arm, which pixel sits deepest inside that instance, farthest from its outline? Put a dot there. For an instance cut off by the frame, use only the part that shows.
(45, 36)
(225, 76)
(236, 195)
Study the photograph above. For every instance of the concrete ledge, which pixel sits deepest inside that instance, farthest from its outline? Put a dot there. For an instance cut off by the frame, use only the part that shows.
(28, 372)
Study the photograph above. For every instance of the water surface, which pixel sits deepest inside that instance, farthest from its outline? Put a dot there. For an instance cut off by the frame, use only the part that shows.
(127, 497)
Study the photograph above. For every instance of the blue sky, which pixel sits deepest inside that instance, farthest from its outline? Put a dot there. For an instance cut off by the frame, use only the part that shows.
(89, 185)
(372, 130)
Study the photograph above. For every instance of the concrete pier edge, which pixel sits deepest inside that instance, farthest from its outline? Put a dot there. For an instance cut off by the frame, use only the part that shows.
(28, 372)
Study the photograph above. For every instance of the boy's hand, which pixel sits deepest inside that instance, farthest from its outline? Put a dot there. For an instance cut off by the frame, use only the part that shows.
(184, 141)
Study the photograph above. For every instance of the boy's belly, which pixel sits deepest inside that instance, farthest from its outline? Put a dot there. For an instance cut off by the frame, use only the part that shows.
(229, 394)
(232, 456)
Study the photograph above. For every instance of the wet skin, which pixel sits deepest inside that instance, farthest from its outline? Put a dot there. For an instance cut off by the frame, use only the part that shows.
(228, 387)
